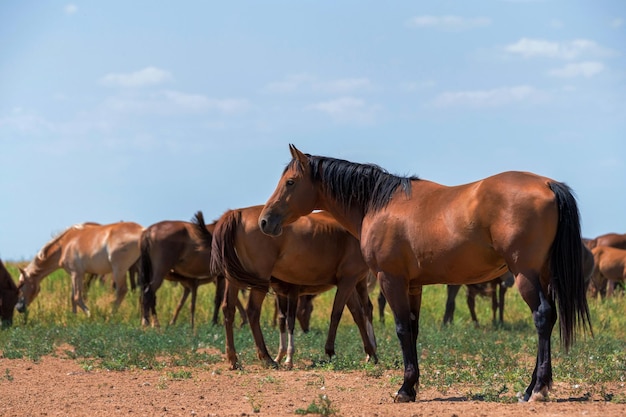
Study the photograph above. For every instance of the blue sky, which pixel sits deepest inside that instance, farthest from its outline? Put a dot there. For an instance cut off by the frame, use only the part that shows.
(148, 111)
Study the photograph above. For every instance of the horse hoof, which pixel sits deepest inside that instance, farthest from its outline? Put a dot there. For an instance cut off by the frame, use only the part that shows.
(541, 395)
(400, 397)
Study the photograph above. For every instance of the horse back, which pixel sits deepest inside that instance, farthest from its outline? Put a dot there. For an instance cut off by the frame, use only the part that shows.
(466, 233)
(174, 245)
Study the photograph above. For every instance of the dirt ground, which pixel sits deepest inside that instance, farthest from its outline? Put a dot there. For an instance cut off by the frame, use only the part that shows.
(56, 386)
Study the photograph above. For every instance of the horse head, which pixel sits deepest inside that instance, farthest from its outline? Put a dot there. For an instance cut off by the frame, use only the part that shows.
(28, 289)
(294, 196)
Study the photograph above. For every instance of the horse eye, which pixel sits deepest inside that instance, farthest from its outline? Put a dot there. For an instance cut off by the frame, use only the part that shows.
(290, 182)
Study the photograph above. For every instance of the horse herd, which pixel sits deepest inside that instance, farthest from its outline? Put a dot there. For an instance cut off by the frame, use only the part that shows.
(332, 223)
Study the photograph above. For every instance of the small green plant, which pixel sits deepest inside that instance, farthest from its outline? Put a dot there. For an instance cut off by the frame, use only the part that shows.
(321, 406)
(182, 374)
(256, 404)
(7, 375)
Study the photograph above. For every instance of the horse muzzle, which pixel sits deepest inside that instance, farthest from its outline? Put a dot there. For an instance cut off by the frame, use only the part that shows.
(270, 225)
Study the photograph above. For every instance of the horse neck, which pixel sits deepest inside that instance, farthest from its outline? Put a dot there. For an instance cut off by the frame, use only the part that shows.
(46, 262)
(351, 218)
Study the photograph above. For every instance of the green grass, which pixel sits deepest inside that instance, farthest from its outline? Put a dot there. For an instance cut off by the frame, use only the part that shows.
(496, 361)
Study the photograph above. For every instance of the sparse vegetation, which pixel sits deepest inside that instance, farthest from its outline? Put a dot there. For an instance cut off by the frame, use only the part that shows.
(495, 361)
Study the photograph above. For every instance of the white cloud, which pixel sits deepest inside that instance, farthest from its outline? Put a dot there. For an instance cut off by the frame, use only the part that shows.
(290, 85)
(346, 109)
(617, 22)
(585, 69)
(70, 9)
(144, 77)
(343, 85)
(529, 48)
(449, 22)
(175, 102)
(303, 83)
(487, 98)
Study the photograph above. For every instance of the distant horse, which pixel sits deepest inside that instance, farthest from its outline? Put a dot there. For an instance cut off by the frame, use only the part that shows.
(416, 232)
(610, 266)
(614, 240)
(88, 248)
(172, 250)
(496, 289)
(8, 296)
(314, 255)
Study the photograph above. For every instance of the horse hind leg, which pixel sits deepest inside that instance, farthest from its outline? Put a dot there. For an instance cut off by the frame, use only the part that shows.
(544, 315)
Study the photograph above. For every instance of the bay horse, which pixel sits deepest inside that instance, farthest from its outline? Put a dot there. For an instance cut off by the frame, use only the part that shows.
(314, 255)
(495, 289)
(8, 296)
(614, 240)
(304, 309)
(172, 250)
(88, 248)
(610, 267)
(415, 232)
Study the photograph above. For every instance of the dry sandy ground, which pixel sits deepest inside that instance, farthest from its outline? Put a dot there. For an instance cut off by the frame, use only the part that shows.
(61, 387)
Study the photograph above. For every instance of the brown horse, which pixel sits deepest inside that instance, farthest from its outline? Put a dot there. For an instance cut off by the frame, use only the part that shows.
(172, 250)
(87, 248)
(415, 232)
(314, 255)
(614, 240)
(610, 267)
(495, 289)
(8, 297)
(304, 309)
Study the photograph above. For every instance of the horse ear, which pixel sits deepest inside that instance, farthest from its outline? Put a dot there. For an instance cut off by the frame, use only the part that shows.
(21, 271)
(296, 154)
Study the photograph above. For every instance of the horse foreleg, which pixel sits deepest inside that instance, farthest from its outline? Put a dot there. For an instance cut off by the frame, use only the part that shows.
(194, 296)
(405, 310)
(292, 307)
(255, 302)
(280, 313)
(471, 303)
(502, 291)
(341, 297)
(544, 316)
(364, 324)
(242, 313)
(452, 291)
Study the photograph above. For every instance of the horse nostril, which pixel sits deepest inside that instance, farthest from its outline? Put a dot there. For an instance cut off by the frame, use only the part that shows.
(263, 223)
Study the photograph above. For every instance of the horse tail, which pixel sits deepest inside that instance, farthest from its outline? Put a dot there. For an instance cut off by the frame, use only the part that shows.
(567, 286)
(224, 258)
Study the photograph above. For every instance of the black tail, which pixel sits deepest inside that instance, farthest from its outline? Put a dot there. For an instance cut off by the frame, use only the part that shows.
(224, 258)
(567, 286)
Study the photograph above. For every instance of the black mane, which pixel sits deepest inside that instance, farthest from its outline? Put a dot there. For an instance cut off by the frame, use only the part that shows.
(367, 186)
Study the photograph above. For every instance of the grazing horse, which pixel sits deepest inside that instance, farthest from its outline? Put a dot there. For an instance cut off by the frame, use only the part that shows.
(172, 250)
(8, 297)
(314, 255)
(415, 232)
(87, 248)
(610, 267)
(496, 288)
